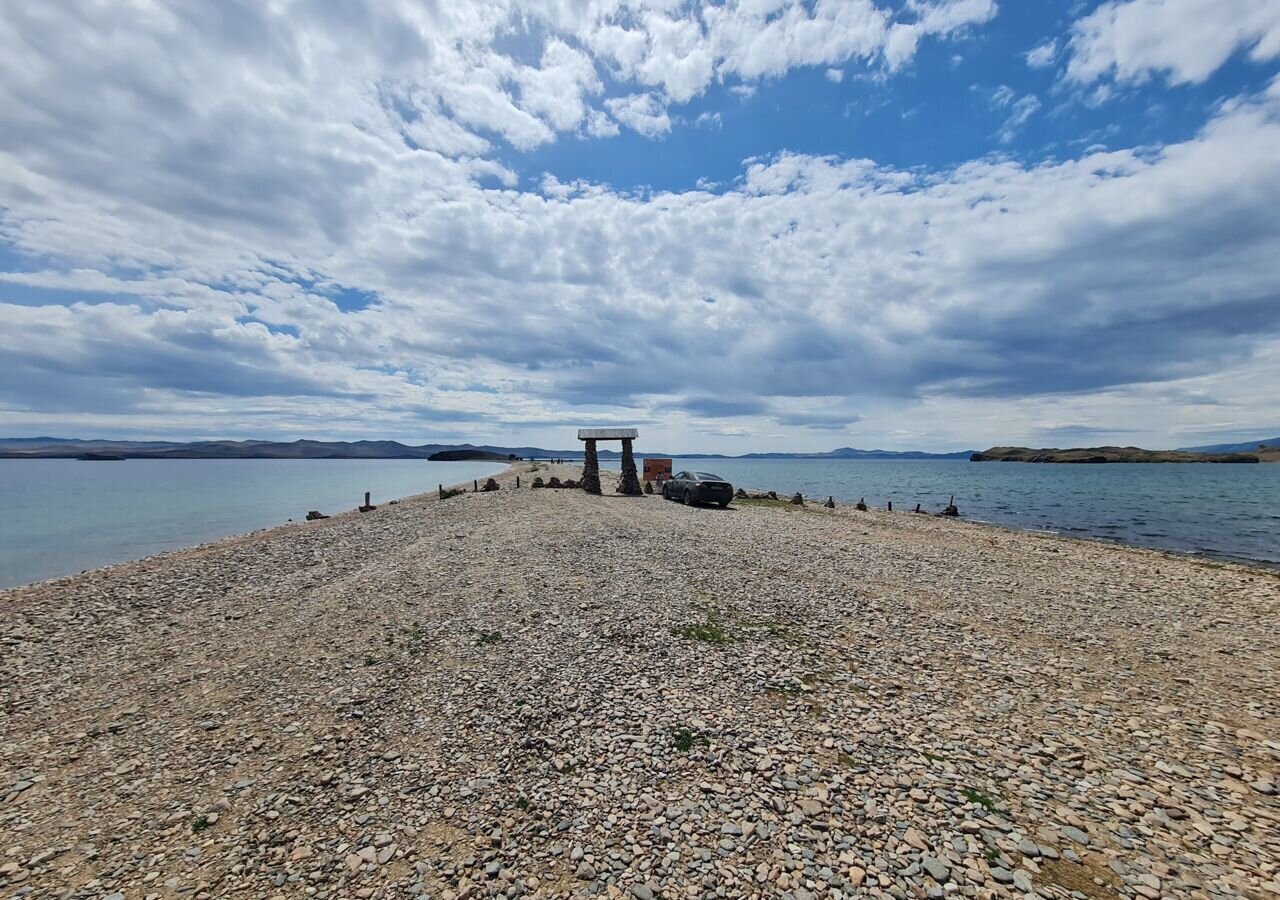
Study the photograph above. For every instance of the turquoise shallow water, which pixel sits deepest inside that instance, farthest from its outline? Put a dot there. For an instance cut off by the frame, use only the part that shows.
(1227, 511)
(58, 516)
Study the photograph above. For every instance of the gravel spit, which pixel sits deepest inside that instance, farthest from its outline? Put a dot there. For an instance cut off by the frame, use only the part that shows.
(546, 694)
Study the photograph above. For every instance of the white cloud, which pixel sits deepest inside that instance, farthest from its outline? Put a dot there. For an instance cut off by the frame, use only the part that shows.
(555, 90)
(1020, 111)
(681, 52)
(644, 113)
(1042, 56)
(1186, 41)
(709, 120)
(600, 125)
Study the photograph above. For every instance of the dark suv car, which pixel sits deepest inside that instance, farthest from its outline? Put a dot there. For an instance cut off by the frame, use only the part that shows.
(698, 487)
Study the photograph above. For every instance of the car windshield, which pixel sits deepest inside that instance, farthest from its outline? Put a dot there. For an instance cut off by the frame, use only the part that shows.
(707, 476)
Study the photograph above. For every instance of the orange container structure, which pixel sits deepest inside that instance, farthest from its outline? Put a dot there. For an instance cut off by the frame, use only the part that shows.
(657, 469)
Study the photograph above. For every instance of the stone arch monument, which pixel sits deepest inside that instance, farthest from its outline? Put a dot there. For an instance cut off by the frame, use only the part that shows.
(591, 464)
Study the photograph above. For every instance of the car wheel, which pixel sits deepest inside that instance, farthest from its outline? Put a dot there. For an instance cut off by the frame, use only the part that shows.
(688, 499)
(666, 492)
(723, 504)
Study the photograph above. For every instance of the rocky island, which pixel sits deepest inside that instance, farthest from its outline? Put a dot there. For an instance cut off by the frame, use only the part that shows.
(507, 693)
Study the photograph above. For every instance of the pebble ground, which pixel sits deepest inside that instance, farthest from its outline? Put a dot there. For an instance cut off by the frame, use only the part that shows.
(541, 693)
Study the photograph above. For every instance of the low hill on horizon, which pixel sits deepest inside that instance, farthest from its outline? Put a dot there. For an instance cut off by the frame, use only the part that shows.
(1107, 455)
(70, 448)
(1242, 447)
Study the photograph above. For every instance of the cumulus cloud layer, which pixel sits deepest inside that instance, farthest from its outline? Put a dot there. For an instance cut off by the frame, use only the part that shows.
(1184, 40)
(302, 215)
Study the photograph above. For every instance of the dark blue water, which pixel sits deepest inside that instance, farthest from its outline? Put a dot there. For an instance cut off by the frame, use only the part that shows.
(60, 516)
(1227, 511)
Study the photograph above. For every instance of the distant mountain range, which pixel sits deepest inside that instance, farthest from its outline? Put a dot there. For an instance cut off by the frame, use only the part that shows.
(852, 453)
(71, 448)
(1245, 447)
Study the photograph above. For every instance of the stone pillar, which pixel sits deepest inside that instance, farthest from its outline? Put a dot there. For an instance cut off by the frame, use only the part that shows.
(591, 469)
(630, 481)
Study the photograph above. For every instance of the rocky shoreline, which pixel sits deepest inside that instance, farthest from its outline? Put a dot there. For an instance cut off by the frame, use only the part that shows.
(546, 694)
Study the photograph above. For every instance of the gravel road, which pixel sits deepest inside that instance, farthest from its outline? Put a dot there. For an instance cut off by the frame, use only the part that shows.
(546, 694)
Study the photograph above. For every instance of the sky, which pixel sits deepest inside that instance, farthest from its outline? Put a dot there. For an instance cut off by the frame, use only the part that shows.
(739, 226)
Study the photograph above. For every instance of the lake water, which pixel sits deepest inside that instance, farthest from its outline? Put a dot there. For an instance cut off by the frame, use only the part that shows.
(60, 516)
(1227, 511)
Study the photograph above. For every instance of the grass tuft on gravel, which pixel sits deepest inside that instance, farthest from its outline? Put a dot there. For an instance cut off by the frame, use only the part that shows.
(981, 798)
(710, 632)
(683, 740)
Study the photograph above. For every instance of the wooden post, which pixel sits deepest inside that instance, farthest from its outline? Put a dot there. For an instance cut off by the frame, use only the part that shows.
(517, 481)
(442, 492)
(475, 485)
(890, 506)
(366, 498)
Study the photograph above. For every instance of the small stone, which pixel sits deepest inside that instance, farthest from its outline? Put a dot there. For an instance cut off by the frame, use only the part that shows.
(811, 808)
(936, 869)
(915, 839)
(1076, 835)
